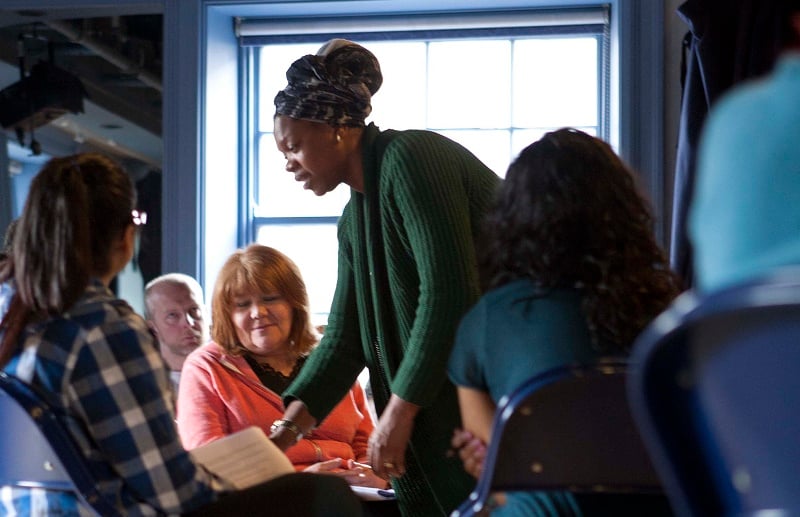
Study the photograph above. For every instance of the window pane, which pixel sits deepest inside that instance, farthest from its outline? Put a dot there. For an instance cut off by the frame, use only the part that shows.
(468, 84)
(314, 248)
(400, 102)
(492, 147)
(279, 195)
(555, 82)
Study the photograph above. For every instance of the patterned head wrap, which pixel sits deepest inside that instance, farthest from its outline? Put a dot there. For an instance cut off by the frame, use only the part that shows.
(334, 86)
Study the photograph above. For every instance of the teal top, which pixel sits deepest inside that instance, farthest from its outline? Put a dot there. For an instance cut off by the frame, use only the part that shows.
(745, 217)
(510, 336)
(407, 274)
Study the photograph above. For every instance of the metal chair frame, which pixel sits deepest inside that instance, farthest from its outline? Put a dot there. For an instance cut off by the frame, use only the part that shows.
(567, 429)
(38, 451)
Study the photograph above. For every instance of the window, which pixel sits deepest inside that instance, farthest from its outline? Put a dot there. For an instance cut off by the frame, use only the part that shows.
(491, 84)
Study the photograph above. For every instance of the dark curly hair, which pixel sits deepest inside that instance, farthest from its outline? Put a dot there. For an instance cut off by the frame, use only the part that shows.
(569, 214)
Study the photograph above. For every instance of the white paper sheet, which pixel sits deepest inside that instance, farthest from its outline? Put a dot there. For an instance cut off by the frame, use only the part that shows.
(244, 459)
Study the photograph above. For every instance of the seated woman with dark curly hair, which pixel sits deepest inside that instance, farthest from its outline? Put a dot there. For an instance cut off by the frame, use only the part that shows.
(574, 273)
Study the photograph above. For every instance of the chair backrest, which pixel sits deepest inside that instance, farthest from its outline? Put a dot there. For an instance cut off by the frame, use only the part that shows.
(715, 389)
(567, 429)
(38, 451)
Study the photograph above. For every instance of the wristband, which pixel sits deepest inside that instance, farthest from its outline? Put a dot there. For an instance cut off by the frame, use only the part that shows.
(288, 424)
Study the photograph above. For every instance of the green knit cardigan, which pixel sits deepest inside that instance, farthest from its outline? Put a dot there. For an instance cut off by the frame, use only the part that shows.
(407, 274)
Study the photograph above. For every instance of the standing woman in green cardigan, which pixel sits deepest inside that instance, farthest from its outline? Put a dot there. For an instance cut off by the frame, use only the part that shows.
(407, 270)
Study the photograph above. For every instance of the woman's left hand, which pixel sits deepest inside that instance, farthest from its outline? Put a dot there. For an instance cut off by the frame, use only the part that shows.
(471, 450)
(352, 472)
(388, 442)
(362, 475)
(333, 466)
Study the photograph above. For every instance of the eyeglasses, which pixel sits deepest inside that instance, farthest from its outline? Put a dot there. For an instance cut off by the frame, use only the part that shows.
(139, 217)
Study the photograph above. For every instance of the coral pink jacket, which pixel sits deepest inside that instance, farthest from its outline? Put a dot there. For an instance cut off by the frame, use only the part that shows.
(220, 394)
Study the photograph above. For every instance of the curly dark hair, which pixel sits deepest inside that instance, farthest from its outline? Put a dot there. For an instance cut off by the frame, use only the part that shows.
(569, 214)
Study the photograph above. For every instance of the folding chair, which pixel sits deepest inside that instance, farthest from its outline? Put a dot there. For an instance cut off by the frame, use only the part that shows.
(38, 451)
(715, 389)
(566, 429)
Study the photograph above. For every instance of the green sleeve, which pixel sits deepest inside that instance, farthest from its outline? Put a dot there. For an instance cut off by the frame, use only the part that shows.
(334, 365)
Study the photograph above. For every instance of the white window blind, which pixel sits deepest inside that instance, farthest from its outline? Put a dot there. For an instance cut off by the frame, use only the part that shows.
(258, 31)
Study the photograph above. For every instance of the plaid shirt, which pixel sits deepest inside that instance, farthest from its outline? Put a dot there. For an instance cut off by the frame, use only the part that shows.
(99, 363)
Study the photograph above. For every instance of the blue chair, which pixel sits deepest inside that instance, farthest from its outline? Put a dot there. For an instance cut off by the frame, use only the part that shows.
(567, 429)
(38, 451)
(715, 389)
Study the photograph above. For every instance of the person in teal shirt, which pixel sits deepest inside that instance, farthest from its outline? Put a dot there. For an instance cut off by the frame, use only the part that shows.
(574, 273)
(745, 218)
